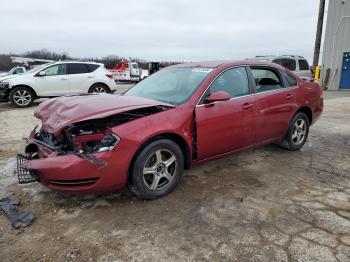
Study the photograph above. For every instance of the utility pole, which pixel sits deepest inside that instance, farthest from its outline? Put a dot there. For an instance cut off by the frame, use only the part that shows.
(318, 34)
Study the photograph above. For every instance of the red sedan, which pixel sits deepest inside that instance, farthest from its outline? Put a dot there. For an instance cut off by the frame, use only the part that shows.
(181, 116)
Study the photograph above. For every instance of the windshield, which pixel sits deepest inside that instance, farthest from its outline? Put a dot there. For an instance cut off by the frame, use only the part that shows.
(171, 85)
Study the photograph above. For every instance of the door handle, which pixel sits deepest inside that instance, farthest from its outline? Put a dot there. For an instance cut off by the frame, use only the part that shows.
(247, 106)
(90, 77)
(63, 78)
(289, 96)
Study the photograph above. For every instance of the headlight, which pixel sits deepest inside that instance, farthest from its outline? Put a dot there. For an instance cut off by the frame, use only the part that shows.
(96, 143)
(107, 143)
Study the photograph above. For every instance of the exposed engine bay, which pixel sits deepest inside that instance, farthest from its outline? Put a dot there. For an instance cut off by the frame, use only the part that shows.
(89, 136)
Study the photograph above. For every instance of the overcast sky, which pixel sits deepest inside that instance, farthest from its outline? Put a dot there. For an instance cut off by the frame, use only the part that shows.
(186, 30)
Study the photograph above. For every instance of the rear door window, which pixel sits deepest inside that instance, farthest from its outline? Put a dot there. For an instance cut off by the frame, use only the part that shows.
(303, 65)
(77, 68)
(266, 79)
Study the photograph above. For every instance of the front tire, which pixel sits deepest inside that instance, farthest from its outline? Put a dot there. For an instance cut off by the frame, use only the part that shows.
(298, 132)
(21, 96)
(157, 169)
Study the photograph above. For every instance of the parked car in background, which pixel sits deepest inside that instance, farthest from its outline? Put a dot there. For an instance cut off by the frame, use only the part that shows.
(295, 63)
(144, 74)
(181, 116)
(57, 79)
(14, 71)
(153, 67)
(4, 79)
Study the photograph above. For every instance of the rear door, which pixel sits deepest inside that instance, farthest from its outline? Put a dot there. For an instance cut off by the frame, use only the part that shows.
(80, 78)
(275, 101)
(55, 81)
(226, 126)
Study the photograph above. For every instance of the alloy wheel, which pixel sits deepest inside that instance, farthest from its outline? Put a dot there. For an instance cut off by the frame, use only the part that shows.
(299, 132)
(22, 97)
(99, 89)
(159, 169)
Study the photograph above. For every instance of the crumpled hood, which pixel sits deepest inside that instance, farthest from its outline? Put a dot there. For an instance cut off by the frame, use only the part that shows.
(57, 113)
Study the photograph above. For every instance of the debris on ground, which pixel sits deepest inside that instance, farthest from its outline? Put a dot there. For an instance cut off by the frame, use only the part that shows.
(18, 219)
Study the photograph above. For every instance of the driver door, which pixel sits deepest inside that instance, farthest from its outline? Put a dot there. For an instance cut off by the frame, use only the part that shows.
(54, 82)
(226, 126)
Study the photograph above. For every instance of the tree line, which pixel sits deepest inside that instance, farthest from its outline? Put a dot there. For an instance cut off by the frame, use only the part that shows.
(109, 61)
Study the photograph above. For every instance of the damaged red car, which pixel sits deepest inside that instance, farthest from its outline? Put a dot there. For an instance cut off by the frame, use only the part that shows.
(181, 116)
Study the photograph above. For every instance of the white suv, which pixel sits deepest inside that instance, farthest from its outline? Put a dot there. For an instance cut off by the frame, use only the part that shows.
(57, 79)
(295, 63)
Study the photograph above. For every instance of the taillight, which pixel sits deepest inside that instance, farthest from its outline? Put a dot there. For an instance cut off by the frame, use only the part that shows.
(109, 75)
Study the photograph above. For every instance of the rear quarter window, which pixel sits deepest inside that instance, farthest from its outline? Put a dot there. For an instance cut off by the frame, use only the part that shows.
(92, 67)
(290, 81)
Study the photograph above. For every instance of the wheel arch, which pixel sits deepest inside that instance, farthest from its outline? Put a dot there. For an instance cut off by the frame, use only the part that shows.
(26, 86)
(179, 140)
(307, 111)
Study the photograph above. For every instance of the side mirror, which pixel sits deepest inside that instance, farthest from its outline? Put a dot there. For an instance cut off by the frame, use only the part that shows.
(217, 96)
(42, 73)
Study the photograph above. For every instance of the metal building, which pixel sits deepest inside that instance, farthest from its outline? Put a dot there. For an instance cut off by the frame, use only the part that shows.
(335, 72)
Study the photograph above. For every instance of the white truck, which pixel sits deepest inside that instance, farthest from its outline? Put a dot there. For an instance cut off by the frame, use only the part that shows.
(126, 71)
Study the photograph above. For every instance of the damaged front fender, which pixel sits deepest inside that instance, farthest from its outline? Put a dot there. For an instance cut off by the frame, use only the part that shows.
(77, 148)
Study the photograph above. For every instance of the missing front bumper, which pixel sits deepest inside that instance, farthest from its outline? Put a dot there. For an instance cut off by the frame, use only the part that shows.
(25, 175)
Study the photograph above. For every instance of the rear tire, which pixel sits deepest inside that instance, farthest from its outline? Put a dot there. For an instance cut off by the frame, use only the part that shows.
(157, 169)
(99, 88)
(21, 96)
(298, 132)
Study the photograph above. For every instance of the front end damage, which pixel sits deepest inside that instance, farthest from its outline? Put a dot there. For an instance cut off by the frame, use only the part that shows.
(4, 91)
(85, 156)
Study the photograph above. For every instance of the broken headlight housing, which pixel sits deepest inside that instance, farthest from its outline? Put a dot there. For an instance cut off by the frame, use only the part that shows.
(95, 143)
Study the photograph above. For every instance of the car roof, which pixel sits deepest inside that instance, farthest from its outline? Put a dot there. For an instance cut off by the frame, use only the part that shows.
(224, 63)
(78, 62)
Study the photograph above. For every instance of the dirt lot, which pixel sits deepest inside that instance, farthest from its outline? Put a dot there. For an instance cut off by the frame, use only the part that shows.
(266, 204)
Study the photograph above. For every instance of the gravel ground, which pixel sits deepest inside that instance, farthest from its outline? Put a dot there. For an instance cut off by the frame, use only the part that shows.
(265, 204)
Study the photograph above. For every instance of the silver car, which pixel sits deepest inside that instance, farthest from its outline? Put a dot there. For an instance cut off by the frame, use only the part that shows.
(295, 63)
